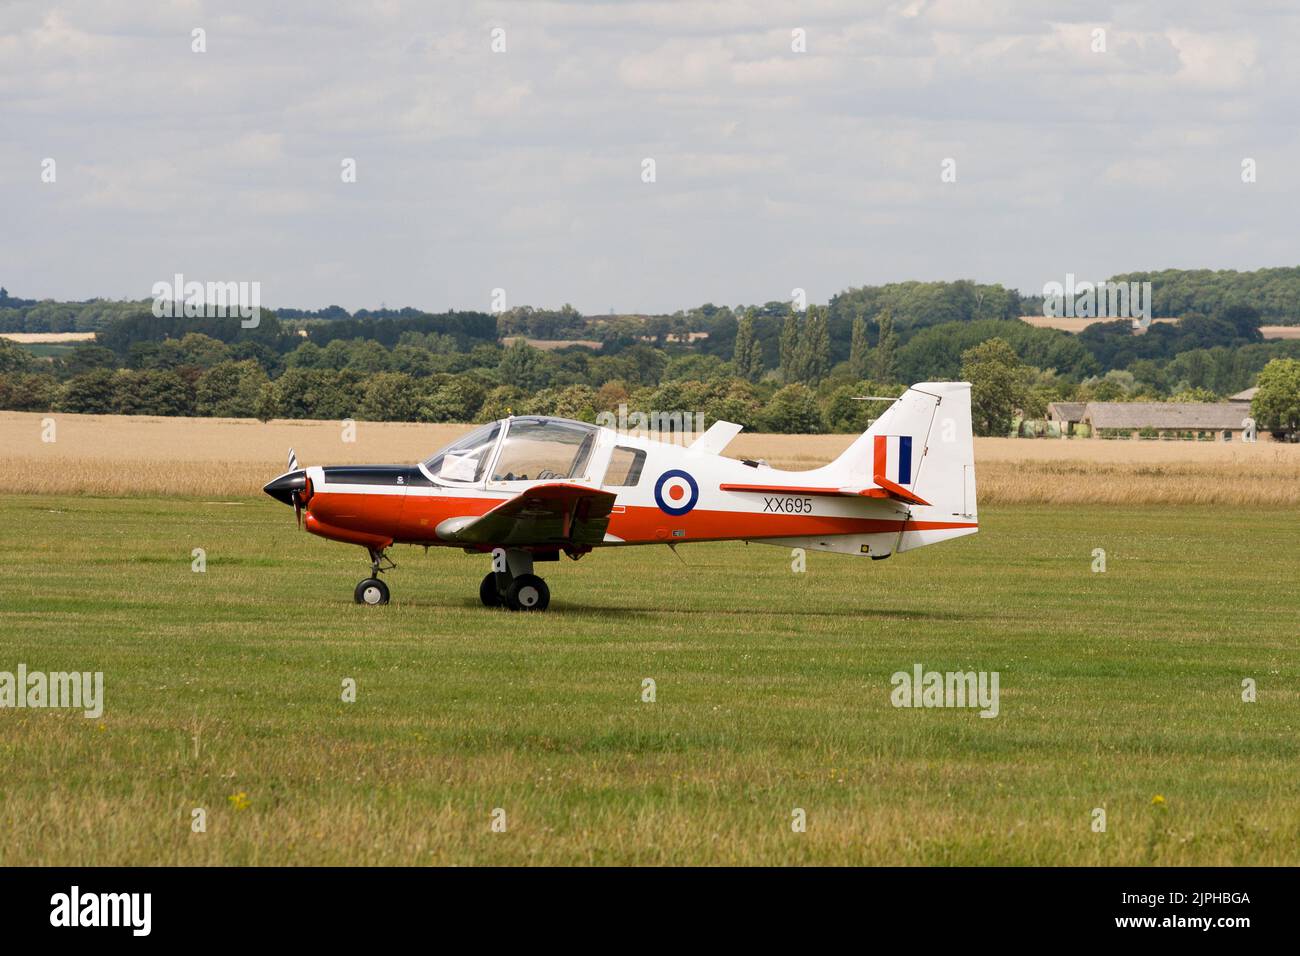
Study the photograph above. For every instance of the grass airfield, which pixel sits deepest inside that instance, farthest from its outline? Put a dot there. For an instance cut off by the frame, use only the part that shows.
(772, 693)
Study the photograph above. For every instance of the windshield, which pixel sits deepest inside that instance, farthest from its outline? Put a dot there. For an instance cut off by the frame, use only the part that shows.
(544, 448)
(465, 459)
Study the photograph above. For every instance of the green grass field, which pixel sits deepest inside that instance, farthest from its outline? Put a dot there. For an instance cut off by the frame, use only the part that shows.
(773, 692)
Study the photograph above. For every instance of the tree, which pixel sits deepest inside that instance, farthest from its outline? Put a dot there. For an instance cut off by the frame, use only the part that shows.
(885, 364)
(748, 355)
(267, 407)
(14, 358)
(306, 355)
(997, 377)
(739, 404)
(316, 393)
(814, 348)
(793, 410)
(502, 401)
(89, 394)
(28, 393)
(1245, 319)
(230, 389)
(194, 348)
(455, 400)
(390, 397)
(83, 358)
(523, 366)
(1276, 405)
(859, 350)
(152, 392)
(1195, 395)
(846, 414)
(790, 334)
(577, 402)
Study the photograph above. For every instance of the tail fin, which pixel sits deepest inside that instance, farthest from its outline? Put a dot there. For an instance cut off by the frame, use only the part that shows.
(921, 446)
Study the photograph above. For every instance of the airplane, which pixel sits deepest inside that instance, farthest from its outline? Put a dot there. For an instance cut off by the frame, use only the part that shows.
(529, 488)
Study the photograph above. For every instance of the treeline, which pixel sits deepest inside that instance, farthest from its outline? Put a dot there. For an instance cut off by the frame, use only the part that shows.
(1273, 293)
(765, 366)
(198, 374)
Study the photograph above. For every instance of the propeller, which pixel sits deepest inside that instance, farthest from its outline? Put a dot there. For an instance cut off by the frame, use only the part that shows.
(297, 492)
(293, 487)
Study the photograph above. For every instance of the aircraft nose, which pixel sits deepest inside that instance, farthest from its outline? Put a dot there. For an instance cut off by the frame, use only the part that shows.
(283, 488)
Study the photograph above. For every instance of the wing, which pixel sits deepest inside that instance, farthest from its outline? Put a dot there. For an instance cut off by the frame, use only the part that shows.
(555, 514)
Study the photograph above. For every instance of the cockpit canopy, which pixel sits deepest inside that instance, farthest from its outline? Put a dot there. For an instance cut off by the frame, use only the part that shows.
(531, 448)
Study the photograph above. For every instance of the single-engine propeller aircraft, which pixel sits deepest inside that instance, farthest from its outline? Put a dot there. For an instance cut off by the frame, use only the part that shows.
(531, 487)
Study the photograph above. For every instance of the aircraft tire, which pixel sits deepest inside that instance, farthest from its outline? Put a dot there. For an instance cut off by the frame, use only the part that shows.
(488, 593)
(528, 592)
(371, 591)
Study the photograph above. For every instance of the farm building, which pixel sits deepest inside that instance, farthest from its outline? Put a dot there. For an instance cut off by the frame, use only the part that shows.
(1068, 414)
(1203, 420)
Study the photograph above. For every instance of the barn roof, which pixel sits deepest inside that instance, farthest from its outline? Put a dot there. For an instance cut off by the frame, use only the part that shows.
(1189, 415)
(1245, 396)
(1066, 411)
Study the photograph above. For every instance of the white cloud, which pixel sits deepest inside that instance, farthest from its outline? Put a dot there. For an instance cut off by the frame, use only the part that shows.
(522, 169)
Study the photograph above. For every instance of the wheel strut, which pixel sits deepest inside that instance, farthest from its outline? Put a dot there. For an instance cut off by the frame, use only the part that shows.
(380, 561)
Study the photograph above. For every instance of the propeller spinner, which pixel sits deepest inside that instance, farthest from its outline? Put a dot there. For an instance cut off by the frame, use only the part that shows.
(292, 487)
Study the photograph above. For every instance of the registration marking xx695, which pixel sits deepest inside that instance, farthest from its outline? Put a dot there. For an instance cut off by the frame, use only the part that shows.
(788, 505)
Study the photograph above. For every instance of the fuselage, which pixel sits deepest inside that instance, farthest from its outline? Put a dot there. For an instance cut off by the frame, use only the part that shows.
(664, 494)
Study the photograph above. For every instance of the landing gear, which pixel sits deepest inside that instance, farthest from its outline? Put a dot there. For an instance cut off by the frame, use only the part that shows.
(514, 586)
(528, 592)
(488, 593)
(373, 591)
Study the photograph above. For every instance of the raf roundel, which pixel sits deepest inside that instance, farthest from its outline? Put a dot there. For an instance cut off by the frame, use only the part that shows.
(676, 492)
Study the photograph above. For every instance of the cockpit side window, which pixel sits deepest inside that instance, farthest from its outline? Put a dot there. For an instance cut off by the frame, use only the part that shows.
(539, 449)
(467, 458)
(625, 466)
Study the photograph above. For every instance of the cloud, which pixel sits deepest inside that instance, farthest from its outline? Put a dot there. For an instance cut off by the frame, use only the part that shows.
(522, 169)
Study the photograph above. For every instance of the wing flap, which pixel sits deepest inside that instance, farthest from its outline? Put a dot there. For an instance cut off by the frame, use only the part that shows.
(553, 514)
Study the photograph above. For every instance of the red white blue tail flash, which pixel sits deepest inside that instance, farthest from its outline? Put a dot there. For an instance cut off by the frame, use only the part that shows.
(893, 458)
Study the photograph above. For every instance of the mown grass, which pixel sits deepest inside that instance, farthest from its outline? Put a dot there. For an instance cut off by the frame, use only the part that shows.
(772, 693)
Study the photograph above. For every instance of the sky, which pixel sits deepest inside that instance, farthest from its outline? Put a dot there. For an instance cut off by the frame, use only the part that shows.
(922, 139)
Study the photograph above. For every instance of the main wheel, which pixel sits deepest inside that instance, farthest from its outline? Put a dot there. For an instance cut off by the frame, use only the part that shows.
(371, 591)
(487, 591)
(528, 592)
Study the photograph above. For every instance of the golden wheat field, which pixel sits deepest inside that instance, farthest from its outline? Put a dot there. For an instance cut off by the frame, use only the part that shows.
(220, 457)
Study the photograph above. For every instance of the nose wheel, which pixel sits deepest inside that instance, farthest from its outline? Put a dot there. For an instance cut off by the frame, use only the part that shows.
(373, 591)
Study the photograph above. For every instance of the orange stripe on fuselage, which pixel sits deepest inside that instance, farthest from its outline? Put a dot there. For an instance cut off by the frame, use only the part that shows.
(412, 519)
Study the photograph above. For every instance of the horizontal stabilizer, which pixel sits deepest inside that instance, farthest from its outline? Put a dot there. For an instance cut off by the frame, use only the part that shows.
(718, 437)
(884, 488)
